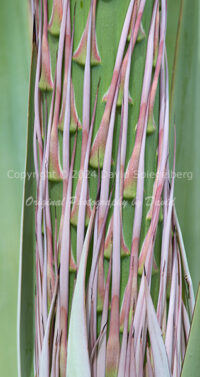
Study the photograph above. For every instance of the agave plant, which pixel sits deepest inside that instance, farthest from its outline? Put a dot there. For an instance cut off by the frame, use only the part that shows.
(113, 294)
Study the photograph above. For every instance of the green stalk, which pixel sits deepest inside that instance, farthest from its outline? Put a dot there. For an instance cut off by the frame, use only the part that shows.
(147, 256)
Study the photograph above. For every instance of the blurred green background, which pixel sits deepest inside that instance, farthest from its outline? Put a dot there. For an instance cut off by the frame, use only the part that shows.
(15, 51)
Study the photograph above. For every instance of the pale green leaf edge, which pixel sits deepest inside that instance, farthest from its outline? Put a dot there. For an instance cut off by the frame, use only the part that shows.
(25, 320)
(191, 365)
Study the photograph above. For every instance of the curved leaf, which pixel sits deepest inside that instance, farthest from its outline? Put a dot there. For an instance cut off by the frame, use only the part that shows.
(191, 365)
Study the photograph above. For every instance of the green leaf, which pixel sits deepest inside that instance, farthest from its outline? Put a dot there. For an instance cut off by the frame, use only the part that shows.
(15, 54)
(191, 365)
(78, 356)
(184, 97)
(160, 359)
(186, 110)
(27, 259)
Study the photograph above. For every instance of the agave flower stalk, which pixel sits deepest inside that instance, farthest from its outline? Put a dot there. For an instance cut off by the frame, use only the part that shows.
(113, 346)
(98, 314)
(101, 353)
(136, 29)
(84, 190)
(131, 289)
(161, 125)
(37, 123)
(109, 236)
(156, 36)
(160, 51)
(80, 55)
(46, 77)
(156, 205)
(130, 176)
(54, 159)
(124, 120)
(104, 194)
(56, 17)
(74, 119)
(64, 266)
(86, 121)
(98, 148)
(66, 137)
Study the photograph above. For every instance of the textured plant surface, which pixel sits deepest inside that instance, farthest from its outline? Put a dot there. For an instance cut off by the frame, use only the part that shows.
(113, 292)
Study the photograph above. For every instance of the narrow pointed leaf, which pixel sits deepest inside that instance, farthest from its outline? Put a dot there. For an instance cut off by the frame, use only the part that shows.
(161, 364)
